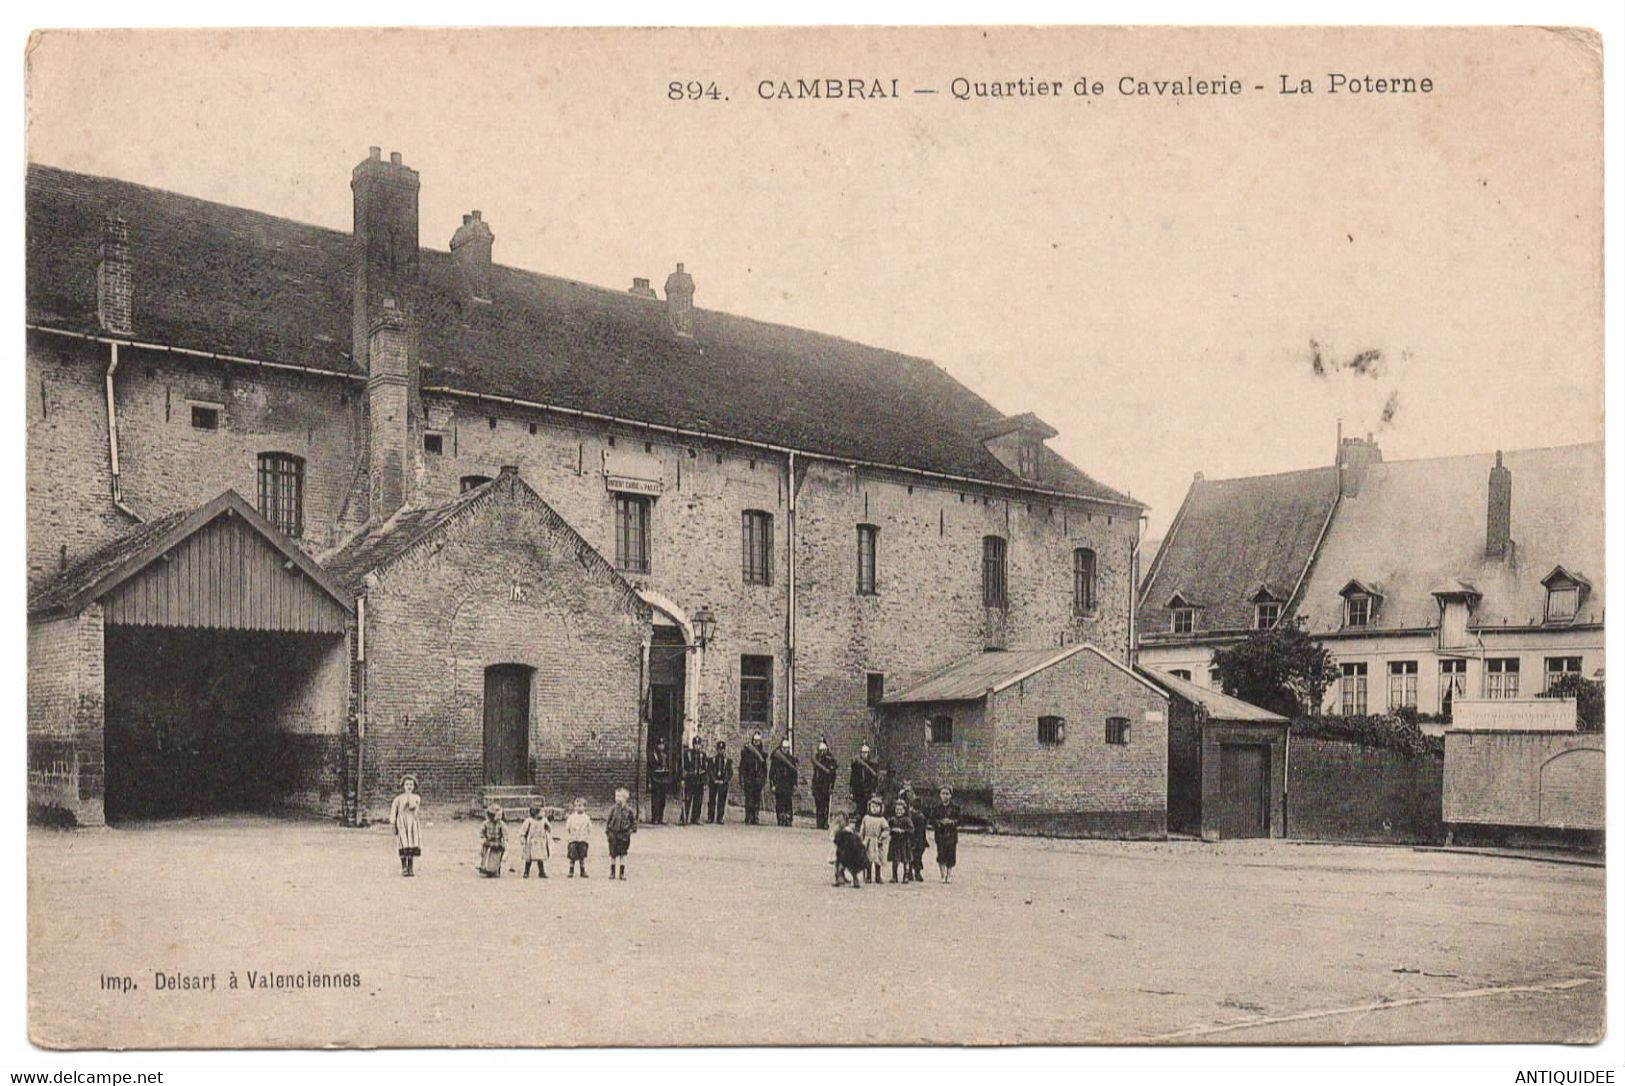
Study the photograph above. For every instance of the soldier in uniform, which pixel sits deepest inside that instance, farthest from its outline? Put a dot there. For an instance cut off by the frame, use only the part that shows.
(865, 779)
(753, 774)
(824, 768)
(722, 770)
(695, 765)
(659, 781)
(784, 773)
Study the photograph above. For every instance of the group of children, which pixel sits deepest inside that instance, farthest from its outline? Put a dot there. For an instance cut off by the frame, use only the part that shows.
(863, 845)
(536, 838)
(899, 840)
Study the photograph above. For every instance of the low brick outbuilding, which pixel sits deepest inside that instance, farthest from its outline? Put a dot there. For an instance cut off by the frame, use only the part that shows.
(1062, 741)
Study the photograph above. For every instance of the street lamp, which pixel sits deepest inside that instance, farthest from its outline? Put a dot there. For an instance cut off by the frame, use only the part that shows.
(705, 627)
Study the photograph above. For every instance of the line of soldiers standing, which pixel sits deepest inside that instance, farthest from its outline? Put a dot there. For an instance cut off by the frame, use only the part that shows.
(694, 774)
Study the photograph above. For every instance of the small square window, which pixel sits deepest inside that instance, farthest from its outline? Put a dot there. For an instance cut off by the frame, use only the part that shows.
(1051, 730)
(1184, 620)
(205, 416)
(1117, 731)
(939, 729)
(434, 444)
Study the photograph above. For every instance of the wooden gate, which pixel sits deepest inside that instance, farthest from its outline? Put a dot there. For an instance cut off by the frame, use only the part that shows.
(507, 724)
(1244, 798)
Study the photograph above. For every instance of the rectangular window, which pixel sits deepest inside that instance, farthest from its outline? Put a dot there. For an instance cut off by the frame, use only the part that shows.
(206, 416)
(1402, 684)
(1184, 620)
(1213, 679)
(282, 492)
(876, 688)
(1266, 615)
(1180, 673)
(993, 580)
(1083, 581)
(471, 482)
(939, 729)
(1359, 611)
(434, 444)
(755, 689)
(1117, 731)
(868, 545)
(756, 544)
(1353, 690)
(632, 533)
(1452, 683)
(1559, 666)
(1051, 730)
(1501, 677)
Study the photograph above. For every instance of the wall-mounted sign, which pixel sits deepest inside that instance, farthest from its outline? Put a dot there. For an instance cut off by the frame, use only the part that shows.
(627, 485)
(1153, 716)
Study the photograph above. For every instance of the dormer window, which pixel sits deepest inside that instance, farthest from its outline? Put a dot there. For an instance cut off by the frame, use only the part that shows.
(1017, 442)
(1360, 603)
(1565, 592)
(1183, 614)
(1266, 608)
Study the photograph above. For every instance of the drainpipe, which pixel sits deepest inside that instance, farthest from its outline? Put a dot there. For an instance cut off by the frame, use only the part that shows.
(1134, 592)
(790, 620)
(361, 703)
(1286, 779)
(112, 437)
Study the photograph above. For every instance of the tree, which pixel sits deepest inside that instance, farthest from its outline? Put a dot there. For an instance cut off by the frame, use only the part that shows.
(1586, 692)
(1281, 669)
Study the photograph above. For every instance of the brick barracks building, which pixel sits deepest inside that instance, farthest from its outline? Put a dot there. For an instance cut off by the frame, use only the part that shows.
(309, 510)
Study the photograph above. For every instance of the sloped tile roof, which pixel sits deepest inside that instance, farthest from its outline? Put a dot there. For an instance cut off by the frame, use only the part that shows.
(1219, 705)
(231, 281)
(1231, 537)
(56, 592)
(375, 547)
(1417, 525)
(971, 678)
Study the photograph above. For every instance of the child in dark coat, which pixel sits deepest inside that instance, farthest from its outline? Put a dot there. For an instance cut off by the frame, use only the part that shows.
(921, 824)
(901, 849)
(946, 824)
(851, 855)
(619, 826)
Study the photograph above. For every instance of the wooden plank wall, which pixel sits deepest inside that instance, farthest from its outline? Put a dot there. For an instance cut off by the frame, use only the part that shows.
(224, 576)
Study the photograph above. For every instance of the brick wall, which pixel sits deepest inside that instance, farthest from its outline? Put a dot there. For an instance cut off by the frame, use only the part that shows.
(1551, 779)
(1346, 792)
(65, 699)
(966, 763)
(1083, 784)
(443, 613)
(165, 463)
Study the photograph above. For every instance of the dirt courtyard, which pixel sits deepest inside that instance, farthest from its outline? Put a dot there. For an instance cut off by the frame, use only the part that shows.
(733, 935)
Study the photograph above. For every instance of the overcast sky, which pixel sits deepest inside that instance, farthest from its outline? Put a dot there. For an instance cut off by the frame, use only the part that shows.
(1146, 274)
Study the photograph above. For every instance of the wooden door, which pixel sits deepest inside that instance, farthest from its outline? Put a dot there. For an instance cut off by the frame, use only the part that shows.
(507, 724)
(1244, 798)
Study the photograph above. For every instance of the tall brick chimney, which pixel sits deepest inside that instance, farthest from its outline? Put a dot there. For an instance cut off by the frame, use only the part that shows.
(1354, 456)
(385, 267)
(1498, 517)
(471, 248)
(113, 277)
(680, 301)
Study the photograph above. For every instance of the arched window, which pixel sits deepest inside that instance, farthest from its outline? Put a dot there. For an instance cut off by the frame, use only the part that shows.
(282, 491)
(1083, 581)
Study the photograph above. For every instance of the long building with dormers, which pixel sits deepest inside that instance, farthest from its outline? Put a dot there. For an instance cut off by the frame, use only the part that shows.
(311, 510)
(1477, 576)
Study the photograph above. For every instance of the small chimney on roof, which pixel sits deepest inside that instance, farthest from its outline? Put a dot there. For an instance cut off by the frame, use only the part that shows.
(1354, 456)
(113, 277)
(1498, 518)
(642, 289)
(680, 301)
(471, 248)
